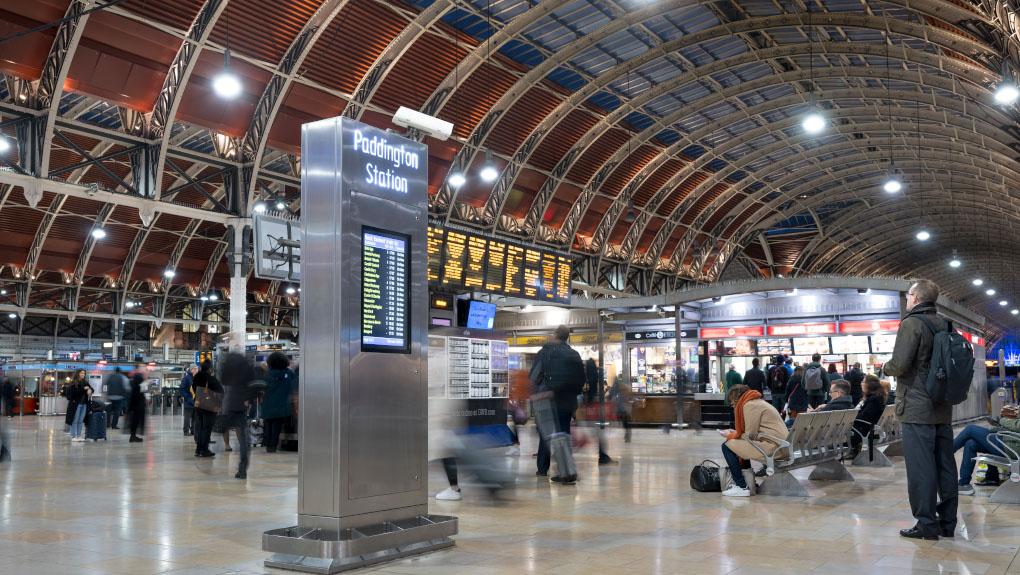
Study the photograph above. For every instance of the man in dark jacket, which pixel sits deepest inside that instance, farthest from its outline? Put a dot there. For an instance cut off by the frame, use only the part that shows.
(855, 377)
(237, 376)
(776, 380)
(557, 377)
(926, 426)
(188, 399)
(755, 377)
(9, 398)
(118, 390)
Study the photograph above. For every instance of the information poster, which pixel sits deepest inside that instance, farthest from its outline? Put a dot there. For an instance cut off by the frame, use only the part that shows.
(810, 345)
(384, 292)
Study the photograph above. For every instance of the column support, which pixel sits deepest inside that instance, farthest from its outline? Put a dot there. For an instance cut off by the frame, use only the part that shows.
(238, 262)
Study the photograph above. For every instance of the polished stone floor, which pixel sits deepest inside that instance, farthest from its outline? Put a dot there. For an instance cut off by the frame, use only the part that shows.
(119, 508)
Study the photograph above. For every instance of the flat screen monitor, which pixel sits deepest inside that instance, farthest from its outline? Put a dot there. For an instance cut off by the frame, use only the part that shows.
(883, 343)
(474, 314)
(850, 344)
(385, 291)
(738, 347)
(810, 345)
(774, 346)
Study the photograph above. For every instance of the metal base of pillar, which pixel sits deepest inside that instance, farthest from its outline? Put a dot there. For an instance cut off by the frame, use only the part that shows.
(782, 484)
(830, 471)
(875, 459)
(894, 449)
(1008, 492)
(326, 552)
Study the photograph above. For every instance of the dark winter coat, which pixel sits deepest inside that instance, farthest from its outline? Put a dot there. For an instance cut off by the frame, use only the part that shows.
(559, 364)
(187, 394)
(909, 365)
(796, 395)
(280, 386)
(755, 379)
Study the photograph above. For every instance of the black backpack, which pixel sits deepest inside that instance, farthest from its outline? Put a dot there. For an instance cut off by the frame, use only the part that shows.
(951, 370)
(563, 369)
(777, 378)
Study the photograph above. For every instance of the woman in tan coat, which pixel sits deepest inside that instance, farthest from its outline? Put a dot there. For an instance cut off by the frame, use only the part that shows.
(757, 422)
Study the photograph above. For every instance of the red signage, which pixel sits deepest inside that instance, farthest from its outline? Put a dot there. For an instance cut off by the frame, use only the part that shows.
(872, 326)
(738, 331)
(973, 339)
(803, 329)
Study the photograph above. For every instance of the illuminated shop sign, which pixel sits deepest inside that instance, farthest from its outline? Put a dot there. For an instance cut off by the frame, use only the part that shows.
(737, 331)
(872, 326)
(803, 329)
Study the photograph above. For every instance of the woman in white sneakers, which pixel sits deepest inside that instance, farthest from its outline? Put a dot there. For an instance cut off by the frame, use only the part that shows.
(757, 423)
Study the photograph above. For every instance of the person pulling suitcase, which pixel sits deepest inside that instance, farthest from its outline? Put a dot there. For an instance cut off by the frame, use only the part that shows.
(557, 377)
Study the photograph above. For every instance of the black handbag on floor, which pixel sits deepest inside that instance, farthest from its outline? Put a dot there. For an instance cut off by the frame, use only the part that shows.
(705, 477)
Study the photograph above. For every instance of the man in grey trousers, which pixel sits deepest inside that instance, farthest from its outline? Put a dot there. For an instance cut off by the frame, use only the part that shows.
(927, 426)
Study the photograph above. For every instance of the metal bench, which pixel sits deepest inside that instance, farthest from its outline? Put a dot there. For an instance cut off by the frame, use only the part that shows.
(884, 433)
(1009, 491)
(816, 440)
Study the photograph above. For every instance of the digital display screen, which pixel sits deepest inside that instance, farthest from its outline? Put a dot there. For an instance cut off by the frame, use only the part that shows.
(481, 315)
(883, 343)
(850, 344)
(385, 292)
(738, 347)
(775, 346)
(471, 262)
(810, 345)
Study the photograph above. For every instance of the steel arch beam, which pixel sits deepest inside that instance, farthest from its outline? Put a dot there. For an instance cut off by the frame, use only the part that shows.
(497, 199)
(54, 73)
(775, 129)
(941, 37)
(161, 120)
(383, 64)
(667, 230)
(785, 143)
(276, 90)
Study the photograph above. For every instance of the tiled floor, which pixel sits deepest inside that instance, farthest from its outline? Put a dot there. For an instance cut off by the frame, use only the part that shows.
(114, 507)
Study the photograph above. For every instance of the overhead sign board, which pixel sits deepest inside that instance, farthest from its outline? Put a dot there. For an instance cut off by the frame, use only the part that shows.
(737, 331)
(803, 329)
(870, 326)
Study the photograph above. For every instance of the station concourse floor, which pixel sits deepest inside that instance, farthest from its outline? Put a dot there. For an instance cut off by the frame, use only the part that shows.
(134, 509)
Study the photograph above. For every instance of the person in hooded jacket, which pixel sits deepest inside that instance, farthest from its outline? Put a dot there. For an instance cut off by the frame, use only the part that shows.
(136, 405)
(856, 378)
(276, 404)
(796, 395)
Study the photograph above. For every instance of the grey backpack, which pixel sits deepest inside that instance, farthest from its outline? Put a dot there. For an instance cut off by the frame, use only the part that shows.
(813, 379)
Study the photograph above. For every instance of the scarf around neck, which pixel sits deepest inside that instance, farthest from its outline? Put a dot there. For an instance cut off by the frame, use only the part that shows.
(749, 395)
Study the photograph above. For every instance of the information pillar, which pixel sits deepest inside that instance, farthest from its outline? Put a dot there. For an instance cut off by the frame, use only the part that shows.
(362, 470)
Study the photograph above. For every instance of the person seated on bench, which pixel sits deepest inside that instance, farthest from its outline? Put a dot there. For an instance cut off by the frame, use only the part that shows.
(757, 422)
(839, 397)
(974, 440)
(870, 413)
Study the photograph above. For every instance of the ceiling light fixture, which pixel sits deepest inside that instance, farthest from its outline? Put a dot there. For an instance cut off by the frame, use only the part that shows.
(204, 298)
(456, 179)
(226, 84)
(260, 207)
(213, 297)
(814, 123)
(290, 290)
(1015, 312)
(955, 262)
(169, 274)
(989, 291)
(1003, 303)
(12, 315)
(99, 233)
(1007, 94)
(978, 281)
(923, 235)
(893, 184)
(489, 172)
(280, 204)
(5, 145)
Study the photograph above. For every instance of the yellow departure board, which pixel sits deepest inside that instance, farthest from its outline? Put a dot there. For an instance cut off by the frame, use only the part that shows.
(454, 256)
(474, 275)
(435, 251)
(473, 262)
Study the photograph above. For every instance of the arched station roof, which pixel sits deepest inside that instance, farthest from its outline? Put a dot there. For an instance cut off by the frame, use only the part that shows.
(659, 141)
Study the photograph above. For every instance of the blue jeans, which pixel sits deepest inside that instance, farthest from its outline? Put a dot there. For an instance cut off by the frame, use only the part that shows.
(733, 462)
(79, 420)
(973, 440)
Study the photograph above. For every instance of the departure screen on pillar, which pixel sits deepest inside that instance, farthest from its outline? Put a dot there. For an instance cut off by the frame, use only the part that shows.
(385, 292)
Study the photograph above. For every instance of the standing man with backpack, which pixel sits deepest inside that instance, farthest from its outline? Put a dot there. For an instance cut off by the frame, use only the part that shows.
(928, 384)
(816, 381)
(118, 390)
(557, 377)
(777, 378)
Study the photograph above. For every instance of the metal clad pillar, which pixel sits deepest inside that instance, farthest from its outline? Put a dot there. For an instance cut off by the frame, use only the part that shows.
(680, 373)
(362, 470)
(238, 284)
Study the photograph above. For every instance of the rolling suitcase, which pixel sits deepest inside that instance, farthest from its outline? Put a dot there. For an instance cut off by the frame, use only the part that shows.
(95, 429)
